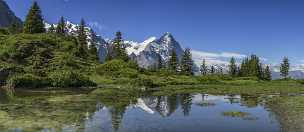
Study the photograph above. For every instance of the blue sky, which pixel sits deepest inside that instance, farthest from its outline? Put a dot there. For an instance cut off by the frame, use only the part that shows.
(269, 28)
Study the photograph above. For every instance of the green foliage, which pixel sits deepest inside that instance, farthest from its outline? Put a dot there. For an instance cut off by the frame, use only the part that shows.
(34, 21)
(252, 67)
(144, 80)
(52, 29)
(267, 74)
(61, 28)
(82, 39)
(209, 79)
(173, 61)
(204, 68)
(4, 31)
(69, 79)
(233, 67)
(212, 70)
(118, 68)
(93, 51)
(187, 63)
(27, 81)
(118, 50)
(40, 55)
(284, 69)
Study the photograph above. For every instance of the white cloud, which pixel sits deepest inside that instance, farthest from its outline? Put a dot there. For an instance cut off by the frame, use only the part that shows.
(96, 25)
(218, 55)
(221, 59)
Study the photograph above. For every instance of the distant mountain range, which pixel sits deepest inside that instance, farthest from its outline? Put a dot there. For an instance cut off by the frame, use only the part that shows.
(146, 53)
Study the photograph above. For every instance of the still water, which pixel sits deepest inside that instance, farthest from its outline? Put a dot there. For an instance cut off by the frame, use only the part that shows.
(176, 113)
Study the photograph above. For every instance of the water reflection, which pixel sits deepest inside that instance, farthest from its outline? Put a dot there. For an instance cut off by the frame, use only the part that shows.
(183, 112)
(178, 113)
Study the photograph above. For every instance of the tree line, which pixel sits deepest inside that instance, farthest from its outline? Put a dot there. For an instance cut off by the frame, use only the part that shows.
(249, 67)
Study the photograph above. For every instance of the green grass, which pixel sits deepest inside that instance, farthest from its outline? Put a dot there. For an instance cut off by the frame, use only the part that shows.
(289, 110)
(273, 87)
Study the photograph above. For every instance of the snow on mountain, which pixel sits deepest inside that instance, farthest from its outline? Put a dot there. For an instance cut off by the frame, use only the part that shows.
(136, 48)
(92, 37)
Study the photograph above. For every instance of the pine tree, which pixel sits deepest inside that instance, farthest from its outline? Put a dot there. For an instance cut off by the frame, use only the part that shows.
(251, 67)
(61, 27)
(187, 62)
(93, 46)
(267, 74)
(34, 21)
(173, 62)
(82, 38)
(261, 71)
(212, 70)
(52, 29)
(119, 51)
(204, 68)
(233, 67)
(284, 69)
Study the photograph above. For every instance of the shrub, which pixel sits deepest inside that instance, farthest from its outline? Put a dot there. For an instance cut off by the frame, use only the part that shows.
(117, 68)
(144, 80)
(248, 78)
(69, 79)
(209, 79)
(181, 80)
(4, 31)
(27, 81)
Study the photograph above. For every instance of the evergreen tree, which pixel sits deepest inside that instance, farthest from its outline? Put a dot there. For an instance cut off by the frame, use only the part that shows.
(93, 47)
(251, 67)
(52, 29)
(119, 51)
(187, 62)
(212, 70)
(34, 21)
(261, 71)
(233, 67)
(267, 74)
(82, 38)
(61, 27)
(254, 66)
(204, 68)
(244, 69)
(173, 62)
(284, 69)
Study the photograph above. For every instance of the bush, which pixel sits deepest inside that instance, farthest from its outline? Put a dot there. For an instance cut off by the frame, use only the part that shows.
(69, 79)
(209, 79)
(4, 31)
(248, 78)
(117, 68)
(27, 81)
(181, 80)
(144, 80)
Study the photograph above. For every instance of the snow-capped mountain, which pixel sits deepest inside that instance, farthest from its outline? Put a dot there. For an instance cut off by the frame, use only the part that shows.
(92, 37)
(147, 53)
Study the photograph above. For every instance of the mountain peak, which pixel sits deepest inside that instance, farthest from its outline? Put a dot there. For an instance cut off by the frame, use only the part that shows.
(167, 38)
